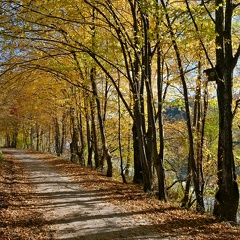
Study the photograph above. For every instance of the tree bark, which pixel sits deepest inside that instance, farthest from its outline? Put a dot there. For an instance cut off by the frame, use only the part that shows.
(227, 196)
(106, 153)
(93, 138)
(159, 161)
(57, 137)
(137, 177)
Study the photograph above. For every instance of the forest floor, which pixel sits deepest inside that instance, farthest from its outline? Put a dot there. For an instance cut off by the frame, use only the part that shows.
(45, 197)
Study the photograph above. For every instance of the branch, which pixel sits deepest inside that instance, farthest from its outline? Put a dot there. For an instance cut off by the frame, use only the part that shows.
(53, 17)
(237, 104)
(95, 58)
(58, 75)
(236, 5)
(235, 59)
(197, 30)
(209, 14)
(177, 181)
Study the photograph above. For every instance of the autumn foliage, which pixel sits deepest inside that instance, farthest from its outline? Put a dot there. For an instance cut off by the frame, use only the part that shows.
(121, 86)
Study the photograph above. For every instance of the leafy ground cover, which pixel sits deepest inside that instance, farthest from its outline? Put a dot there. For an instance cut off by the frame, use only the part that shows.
(171, 220)
(19, 219)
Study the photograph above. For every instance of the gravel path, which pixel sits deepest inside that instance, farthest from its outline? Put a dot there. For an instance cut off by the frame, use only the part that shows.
(76, 213)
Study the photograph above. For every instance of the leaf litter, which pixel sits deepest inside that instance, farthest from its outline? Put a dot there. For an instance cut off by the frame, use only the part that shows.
(20, 219)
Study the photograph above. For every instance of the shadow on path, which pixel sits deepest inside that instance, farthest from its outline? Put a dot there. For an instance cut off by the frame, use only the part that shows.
(76, 210)
(76, 213)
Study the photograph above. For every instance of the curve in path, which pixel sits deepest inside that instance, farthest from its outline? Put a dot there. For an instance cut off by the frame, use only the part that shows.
(76, 213)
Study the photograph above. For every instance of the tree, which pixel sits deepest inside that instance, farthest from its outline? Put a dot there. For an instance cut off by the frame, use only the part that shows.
(137, 52)
(106, 58)
(227, 196)
(191, 157)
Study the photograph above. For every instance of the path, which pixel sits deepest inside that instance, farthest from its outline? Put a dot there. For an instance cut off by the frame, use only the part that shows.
(76, 213)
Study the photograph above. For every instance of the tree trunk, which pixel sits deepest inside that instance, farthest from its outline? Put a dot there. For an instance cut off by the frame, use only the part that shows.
(227, 196)
(82, 141)
(137, 177)
(32, 138)
(159, 163)
(198, 130)
(74, 143)
(14, 139)
(64, 133)
(127, 168)
(37, 136)
(185, 201)
(57, 137)
(106, 153)
(89, 143)
(146, 169)
(120, 136)
(94, 139)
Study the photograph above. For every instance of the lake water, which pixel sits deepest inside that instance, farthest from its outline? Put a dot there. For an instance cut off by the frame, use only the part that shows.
(209, 204)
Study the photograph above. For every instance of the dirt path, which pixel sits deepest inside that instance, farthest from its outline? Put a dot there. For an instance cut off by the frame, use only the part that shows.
(44, 197)
(76, 213)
